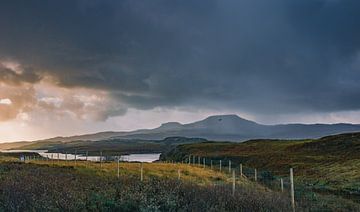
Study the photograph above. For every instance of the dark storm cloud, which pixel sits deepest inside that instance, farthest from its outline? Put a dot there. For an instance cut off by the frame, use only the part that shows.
(258, 56)
(11, 77)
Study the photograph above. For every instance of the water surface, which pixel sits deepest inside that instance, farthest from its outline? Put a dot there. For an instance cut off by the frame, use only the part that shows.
(147, 157)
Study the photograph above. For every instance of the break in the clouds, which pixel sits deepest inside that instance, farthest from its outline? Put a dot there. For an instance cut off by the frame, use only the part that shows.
(98, 59)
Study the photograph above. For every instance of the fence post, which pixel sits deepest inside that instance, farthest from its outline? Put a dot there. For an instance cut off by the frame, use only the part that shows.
(220, 165)
(229, 166)
(193, 159)
(189, 159)
(211, 166)
(86, 159)
(65, 156)
(179, 174)
(204, 160)
(199, 160)
(255, 175)
(100, 159)
(233, 183)
(241, 170)
(75, 157)
(141, 172)
(292, 189)
(282, 184)
(118, 167)
(58, 157)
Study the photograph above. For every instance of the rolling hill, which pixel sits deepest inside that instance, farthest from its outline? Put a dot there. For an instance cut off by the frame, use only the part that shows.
(328, 165)
(112, 146)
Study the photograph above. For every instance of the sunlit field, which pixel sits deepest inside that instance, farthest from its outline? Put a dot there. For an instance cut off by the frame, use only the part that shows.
(94, 186)
(196, 174)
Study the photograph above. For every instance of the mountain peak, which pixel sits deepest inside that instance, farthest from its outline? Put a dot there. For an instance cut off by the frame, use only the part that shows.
(227, 117)
(170, 125)
(224, 124)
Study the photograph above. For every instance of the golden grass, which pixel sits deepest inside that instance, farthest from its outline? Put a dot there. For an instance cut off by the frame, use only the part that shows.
(191, 173)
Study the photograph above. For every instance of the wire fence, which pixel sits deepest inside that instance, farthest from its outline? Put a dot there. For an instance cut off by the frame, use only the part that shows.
(281, 181)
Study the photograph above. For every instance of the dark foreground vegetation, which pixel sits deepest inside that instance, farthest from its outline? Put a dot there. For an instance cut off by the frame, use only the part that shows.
(32, 187)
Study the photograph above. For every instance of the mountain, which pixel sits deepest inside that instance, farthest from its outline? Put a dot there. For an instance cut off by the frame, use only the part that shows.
(223, 128)
(235, 128)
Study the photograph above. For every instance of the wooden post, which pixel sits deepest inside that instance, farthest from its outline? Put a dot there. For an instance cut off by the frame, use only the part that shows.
(255, 175)
(199, 161)
(189, 159)
(241, 170)
(204, 162)
(211, 165)
(118, 167)
(179, 174)
(141, 172)
(86, 159)
(58, 156)
(229, 166)
(233, 182)
(65, 156)
(282, 184)
(292, 189)
(100, 159)
(220, 165)
(75, 157)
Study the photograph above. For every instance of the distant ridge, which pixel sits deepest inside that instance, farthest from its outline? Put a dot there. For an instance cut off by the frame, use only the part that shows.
(223, 128)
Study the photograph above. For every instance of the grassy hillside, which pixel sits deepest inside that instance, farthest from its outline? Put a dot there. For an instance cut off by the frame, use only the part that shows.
(13, 145)
(329, 165)
(113, 146)
(85, 186)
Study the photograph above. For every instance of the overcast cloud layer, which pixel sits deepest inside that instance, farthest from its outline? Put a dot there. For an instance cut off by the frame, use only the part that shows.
(257, 56)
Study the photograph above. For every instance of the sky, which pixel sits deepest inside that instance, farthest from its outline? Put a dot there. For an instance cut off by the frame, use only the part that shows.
(74, 66)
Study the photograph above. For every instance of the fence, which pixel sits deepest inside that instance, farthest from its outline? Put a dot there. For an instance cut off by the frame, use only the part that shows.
(235, 171)
(268, 179)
